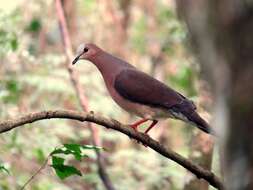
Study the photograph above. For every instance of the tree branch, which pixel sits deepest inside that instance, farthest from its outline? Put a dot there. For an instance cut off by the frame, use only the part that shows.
(113, 124)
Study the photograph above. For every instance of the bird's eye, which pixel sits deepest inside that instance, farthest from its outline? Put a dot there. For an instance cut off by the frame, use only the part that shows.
(85, 50)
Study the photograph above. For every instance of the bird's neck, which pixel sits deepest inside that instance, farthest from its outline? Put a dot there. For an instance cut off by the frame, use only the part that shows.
(108, 65)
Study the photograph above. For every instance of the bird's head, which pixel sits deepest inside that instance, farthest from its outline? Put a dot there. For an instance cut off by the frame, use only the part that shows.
(85, 51)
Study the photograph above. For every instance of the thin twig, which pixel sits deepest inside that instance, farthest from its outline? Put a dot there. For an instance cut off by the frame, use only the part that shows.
(200, 172)
(80, 93)
(36, 173)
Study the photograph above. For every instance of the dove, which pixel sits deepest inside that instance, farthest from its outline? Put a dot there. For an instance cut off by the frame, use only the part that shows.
(138, 93)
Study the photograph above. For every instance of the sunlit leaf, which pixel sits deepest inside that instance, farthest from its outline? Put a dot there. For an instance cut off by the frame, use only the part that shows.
(73, 147)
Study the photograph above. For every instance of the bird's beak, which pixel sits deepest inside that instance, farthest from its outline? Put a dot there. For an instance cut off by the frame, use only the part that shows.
(77, 58)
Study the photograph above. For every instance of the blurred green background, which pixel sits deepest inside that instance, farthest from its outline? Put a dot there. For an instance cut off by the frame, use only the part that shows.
(33, 77)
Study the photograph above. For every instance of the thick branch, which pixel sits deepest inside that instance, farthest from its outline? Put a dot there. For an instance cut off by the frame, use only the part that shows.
(113, 124)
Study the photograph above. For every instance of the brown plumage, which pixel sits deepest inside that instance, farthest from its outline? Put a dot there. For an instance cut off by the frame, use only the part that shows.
(139, 93)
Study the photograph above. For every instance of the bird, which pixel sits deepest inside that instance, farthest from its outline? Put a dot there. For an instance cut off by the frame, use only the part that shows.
(139, 93)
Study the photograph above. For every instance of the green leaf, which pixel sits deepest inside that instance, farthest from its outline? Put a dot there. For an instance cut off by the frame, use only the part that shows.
(14, 44)
(57, 160)
(61, 151)
(34, 25)
(75, 152)
(13, 88)
(73, 147)
(79, 156)
(63, 171)
(4, 169)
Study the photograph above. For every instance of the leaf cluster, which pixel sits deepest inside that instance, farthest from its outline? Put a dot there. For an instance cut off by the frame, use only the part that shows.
(63, 170)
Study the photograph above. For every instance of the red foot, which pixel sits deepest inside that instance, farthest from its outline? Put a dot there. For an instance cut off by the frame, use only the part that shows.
(136, 125)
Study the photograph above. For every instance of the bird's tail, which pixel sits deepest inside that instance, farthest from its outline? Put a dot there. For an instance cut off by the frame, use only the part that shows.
(200, 123)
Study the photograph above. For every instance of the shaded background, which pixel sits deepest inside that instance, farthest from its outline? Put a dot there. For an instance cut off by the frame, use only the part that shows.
(33, 77)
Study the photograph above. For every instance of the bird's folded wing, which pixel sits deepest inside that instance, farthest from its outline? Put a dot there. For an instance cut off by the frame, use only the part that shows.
(139, 87)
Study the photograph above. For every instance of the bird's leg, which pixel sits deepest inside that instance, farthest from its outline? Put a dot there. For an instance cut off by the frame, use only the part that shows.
(136, 124)
(151, 126)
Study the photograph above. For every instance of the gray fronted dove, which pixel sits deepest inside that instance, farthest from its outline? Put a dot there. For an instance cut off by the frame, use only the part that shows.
(138, 93)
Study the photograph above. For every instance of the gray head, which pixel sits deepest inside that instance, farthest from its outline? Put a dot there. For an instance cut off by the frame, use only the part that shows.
(86, 51)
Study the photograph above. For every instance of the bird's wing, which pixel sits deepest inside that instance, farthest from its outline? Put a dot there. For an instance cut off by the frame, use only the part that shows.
(139, 87)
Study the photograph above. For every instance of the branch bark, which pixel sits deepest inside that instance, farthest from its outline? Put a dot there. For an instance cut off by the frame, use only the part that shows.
(74, 77)
(200, 172)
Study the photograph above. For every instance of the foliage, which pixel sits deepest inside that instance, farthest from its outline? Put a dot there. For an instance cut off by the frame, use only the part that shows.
(34, 25)
(8, 34)
(63, 171)
(10, 91)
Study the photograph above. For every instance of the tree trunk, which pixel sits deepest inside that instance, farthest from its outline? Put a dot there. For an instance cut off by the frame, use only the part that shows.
(221, 33)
